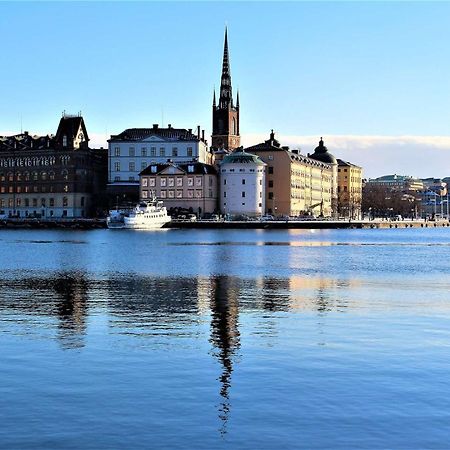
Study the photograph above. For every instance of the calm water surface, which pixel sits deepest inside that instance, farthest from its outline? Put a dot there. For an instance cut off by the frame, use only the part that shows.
(225, 339)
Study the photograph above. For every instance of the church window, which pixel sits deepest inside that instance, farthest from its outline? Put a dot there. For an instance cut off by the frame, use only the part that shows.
(234, 126)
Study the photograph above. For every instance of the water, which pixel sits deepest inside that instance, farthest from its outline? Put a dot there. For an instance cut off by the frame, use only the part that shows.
(225, 339)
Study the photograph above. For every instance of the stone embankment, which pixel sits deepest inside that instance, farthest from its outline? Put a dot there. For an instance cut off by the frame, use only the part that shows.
(209, 224)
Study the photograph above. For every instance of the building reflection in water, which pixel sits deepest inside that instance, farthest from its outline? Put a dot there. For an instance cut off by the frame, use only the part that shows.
(39, 299)
(224, 306)
(71, 290)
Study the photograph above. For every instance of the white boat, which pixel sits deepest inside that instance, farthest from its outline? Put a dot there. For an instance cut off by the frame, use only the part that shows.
(146, 215)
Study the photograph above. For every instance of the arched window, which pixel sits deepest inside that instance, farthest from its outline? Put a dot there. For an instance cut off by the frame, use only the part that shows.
(51, 175)
(234, 126)
(34, 176)
(65, 174)
(10, 176)
(26, 176)
(44, 175)
(18, 176)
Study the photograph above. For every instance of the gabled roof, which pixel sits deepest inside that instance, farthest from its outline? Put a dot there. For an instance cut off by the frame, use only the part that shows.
(341, 162)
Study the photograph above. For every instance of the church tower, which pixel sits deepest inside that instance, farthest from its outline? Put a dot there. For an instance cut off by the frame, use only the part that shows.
(225, 117)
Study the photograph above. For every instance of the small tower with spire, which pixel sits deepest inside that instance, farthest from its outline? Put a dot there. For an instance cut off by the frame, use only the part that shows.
(225, 116)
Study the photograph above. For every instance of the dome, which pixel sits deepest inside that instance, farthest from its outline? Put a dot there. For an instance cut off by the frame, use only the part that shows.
(322, 154)
(239, 156)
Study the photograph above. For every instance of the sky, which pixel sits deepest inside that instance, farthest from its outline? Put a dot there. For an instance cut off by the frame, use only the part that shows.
(372, 78)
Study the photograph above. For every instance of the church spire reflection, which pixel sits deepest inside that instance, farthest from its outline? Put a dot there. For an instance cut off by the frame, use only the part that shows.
(225, 336)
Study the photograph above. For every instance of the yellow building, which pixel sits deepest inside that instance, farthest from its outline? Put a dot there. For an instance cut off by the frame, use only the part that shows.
(349, 190)
(296, 185)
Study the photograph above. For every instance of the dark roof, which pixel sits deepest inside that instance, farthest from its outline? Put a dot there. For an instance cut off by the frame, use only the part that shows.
(341, 162)
(322, 154)
(240, 156)
(24, 141)
(195, 168)
(138, 134)
(69, 126)
(270, 144)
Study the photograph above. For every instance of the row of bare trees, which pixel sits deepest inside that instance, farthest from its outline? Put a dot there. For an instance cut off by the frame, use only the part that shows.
(379, 201)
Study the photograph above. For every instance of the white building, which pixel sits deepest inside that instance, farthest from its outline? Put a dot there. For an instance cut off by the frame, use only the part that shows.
(134, 149)
(242, 181)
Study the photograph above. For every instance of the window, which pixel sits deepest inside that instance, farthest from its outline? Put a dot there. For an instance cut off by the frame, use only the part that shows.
(162, 151)
(153, 151)
(18, 176)
(144, 194)
(11, 176)
(198, 193)
(116, 151)
(42, 201)
(44, 176)
(270, 183)
(131, 166)
(34, 202)
(143, 165)
(143, 151)
(198, 182)
(171, 193)
(65, 201)
(224, 194)
(52, 202)
(116, 178)
(179, 182)
(179, 194)
(18, 201)
(131, 152)
(174, 151)
(131, 178)
(243, 193)
(144, 182)
(190, 182)
(270, 195)
(163, 182)
(224, 182)
(163, 194)
(2, 177)
(243, 180)
(271, 170)
(27, 202)
(3, 189)
(66, 188)
(190, 193)
(10, 202)
(152, 182)
(51, 175)
(189, 151)
(117, 166)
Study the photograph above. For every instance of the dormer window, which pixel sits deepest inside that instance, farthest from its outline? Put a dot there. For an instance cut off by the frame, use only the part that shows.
(191, 169)
(64, 141)
(153, 169)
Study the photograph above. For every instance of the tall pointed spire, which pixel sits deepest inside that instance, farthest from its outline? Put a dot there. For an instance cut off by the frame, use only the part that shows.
(226, 95)
(214, 98)
(237, 99)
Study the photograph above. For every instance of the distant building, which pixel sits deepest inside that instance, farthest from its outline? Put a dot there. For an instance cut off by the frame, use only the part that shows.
(242, 184)
(295, 184)
(399, 183)
(349, 190)
(189, 186)
(52, 176)
(225, 114)
(436, 185)
(134, 149)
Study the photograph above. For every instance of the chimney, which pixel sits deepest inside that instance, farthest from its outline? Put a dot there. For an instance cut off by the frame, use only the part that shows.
(169, 126)
(190, 130)
(25, 133)
(198, 131)
(155, 126)
(203, 135)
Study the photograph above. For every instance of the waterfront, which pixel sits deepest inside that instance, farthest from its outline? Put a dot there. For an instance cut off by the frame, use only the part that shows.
(225, 338)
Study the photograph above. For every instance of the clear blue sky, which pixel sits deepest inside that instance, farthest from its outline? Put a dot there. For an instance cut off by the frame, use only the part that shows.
(302, 68)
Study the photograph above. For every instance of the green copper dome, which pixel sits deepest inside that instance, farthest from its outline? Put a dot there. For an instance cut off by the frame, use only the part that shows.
(239, 156)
